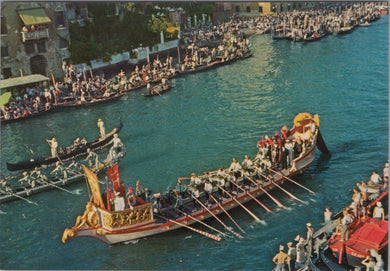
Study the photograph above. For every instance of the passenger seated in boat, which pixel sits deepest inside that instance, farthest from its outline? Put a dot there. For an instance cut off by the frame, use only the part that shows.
(157, 206)
(221, 173)
(195, 181)
(131, 201)
(246, 163)
(375, 179)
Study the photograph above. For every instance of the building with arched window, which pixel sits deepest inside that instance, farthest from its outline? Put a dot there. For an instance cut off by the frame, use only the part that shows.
(34, 38)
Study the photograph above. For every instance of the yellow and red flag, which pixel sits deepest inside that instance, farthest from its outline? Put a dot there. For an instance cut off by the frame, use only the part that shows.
(94, 184)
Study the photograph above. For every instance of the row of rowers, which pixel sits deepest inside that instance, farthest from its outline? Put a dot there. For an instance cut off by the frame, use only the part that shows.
(227, 178)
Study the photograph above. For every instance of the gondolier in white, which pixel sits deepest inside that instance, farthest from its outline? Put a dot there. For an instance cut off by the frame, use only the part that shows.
(102, 130)
(116, 148)
(92, 156)
(53, 146)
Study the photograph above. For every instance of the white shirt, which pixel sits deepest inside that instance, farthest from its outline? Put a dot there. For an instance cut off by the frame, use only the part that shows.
(195, 180)
(378, 211)
(375, 178)
(235, 166)
(208, 187)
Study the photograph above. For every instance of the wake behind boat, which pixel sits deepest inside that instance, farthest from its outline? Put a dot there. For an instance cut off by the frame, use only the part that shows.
(68, 153)
(113, 220)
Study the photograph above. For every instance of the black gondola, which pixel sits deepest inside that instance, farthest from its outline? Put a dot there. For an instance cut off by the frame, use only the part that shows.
(79, 151)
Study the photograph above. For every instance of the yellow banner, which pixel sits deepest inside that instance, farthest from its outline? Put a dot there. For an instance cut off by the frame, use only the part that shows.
(94, 184)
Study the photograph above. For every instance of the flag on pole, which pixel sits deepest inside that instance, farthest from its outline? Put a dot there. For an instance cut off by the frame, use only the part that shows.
(94, 184)
(113, 174)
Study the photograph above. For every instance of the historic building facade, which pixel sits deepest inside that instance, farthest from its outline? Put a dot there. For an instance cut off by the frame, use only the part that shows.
(34, 38)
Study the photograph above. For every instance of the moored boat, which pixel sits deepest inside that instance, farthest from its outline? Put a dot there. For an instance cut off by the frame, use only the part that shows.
(150, 216)
(68, 154)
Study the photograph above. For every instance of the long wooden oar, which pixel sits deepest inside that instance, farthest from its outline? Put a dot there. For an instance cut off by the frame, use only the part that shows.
(284, 190)
(226, 212)
(239, 203)
(287, 178)
(219, 220)
(209, 235)
(253, 197)
(201, 222)
(20, 197)
(269, 195)
(265, 207)
(63, 189)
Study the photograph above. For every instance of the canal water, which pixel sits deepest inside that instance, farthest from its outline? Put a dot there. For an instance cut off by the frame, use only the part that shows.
(201, 124)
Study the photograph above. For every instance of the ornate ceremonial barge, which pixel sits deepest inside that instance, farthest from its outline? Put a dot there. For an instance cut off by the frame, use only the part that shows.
(115, 217)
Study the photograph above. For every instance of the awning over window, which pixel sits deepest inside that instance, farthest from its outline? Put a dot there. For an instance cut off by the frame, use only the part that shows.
(34, 16)
(21, 81)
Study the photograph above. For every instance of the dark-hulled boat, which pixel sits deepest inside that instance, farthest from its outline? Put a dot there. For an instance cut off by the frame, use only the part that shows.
(56, 182)
(148, 218)
(79, 151)
(90, 101)
(157, 92)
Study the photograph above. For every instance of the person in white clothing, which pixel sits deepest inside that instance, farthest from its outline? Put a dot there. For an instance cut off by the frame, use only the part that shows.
(235, 167)
(378, 212)
(375, 178)
(53, 146)
(102, 130)
(195, 181)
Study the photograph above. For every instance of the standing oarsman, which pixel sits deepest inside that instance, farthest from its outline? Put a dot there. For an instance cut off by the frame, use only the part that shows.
(92, 156)
(247, 163)
(235, 167)
(38, 175)
(102, 130)
(60, 169)
(53, 146)
(117, 146)
(5, 187)
(181, 188)
(208, 188)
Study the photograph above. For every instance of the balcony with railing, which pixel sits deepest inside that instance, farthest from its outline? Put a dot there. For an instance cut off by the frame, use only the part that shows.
(35, 35)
